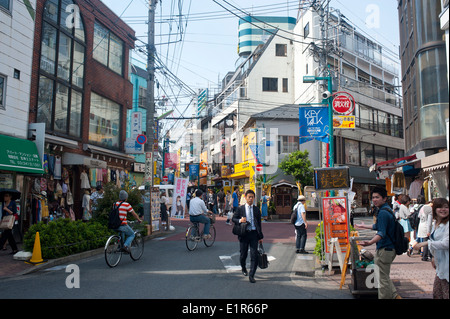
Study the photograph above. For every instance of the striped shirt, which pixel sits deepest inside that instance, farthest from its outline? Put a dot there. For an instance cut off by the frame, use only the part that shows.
(123, 210)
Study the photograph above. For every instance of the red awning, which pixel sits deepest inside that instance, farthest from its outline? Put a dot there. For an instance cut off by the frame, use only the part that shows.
(408, 160)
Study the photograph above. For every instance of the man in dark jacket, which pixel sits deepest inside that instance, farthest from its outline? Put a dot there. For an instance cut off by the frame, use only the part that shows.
(250, 214)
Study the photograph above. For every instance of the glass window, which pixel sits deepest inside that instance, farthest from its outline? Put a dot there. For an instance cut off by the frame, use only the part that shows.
(366, 154)
(108, 48)
(61, 66)
(61, 107)
(306, 30)
(2, 90)
(288, 144)
(75, 113)
(51, 10)
(351, 152)
(392, 153)
(5, 4)
(365, 117)
(281, 49)
(380, 153)
(101, 40)
(64, 57)
(45, 100)
(104, 122)
(48, 48)
(285, 85)
(270, 84)
(78, 65)
(115, 54)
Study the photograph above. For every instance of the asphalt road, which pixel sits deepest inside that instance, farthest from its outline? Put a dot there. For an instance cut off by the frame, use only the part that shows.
(167, 270)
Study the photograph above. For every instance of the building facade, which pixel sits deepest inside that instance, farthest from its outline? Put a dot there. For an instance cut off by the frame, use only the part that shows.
(424, 75)
(80, 92)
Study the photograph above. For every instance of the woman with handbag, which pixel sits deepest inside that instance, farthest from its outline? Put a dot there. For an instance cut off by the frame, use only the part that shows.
(9, 208)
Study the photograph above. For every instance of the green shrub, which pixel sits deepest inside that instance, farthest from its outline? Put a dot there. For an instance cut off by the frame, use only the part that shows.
(320, 246)
(65, 237)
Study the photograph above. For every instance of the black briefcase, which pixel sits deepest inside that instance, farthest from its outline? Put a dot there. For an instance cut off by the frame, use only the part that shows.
(263, 262)
(240, 229)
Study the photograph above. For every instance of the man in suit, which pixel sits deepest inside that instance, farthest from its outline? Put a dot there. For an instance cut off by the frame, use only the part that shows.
(251, 214)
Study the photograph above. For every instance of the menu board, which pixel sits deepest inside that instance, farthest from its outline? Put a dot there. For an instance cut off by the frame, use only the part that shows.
(335, 221)
(331, 178)
(155, 207)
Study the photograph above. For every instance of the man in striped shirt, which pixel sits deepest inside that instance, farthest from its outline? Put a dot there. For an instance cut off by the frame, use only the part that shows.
(124, 209)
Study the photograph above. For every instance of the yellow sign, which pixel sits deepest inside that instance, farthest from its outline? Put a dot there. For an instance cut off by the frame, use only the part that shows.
(342, 121)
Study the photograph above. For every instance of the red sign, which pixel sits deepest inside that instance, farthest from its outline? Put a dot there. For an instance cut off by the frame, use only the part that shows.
(343, 103)
(259, 167)
(165, 179)
(335, 220)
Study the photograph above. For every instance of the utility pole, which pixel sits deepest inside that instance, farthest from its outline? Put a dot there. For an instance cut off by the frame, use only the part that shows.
(150, 96)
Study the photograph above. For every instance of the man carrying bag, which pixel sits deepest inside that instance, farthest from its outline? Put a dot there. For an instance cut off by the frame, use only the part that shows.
(250, 216)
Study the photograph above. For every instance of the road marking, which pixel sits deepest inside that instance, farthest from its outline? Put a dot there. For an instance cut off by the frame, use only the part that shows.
(230, 265)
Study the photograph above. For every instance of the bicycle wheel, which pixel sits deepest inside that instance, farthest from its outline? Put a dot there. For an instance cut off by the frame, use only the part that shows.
(137, 247)
(192, 235)
(210, 241)
(113, 251)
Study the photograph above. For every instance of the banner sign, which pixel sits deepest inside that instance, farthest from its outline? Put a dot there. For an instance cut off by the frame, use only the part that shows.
(314, 124)
(179, 198)
(194, 170)
(335, 212)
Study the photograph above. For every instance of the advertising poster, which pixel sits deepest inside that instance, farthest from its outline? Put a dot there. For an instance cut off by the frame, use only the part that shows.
(179, 198)
(314, 124)
(335, 221)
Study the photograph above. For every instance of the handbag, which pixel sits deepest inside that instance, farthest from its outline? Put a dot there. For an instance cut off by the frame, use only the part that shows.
(7, 222)
(263, 262)
(240, 229)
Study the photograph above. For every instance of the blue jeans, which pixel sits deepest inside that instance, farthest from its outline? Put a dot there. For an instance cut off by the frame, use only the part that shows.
(128, 233)
(201, 219)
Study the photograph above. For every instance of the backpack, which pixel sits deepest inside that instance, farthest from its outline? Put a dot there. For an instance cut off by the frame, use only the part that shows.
(414, 217)
(401, 243)
(114, 220)
(294, 214)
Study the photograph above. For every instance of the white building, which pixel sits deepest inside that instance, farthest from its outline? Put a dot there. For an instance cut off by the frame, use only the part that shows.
(16, 50)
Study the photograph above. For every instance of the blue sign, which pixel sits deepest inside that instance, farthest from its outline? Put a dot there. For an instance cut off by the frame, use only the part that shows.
(314, 124)
(193, 170)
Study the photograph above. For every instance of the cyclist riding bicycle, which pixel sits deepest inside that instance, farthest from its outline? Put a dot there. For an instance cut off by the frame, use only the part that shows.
(198, 213)
(125, 208)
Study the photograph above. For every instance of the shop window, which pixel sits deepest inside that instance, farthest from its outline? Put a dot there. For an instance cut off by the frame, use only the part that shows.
(63, 50)
(104, 122)
(367, 157)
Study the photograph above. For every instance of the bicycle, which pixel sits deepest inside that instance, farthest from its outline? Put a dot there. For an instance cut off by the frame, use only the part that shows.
(194, 236)
(114, 248)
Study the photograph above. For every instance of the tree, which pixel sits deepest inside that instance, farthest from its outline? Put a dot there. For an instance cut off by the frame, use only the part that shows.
(298, 165)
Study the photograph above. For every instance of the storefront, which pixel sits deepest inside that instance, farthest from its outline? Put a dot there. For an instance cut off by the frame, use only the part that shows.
(19, 162)
(436, 172)
(243, 176)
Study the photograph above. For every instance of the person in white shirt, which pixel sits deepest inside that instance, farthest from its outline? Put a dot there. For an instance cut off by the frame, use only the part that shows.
(198, 213)
(301, 225)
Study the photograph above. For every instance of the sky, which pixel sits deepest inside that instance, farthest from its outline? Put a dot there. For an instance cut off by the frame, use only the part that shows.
(204, 37)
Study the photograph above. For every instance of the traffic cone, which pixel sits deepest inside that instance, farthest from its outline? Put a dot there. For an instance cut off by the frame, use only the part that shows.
(36, 258)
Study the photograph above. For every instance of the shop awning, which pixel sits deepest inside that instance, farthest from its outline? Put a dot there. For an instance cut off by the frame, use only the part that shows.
(19, 155)
(394, 163)
(435, 161)
(239, 175)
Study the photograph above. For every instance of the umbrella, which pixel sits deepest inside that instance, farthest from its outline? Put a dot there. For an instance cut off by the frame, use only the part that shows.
(15, 194)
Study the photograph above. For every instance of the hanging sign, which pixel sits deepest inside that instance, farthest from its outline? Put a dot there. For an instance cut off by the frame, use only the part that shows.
(314, 124)
(343, 103)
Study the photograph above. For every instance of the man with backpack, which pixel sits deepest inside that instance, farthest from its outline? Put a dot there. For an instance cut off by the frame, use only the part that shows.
(124, 208)
(385, 243)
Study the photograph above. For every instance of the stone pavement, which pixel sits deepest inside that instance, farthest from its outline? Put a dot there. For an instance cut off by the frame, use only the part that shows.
(412, 277)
